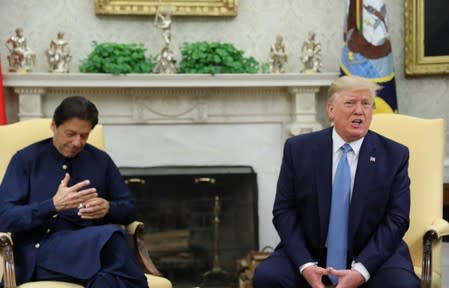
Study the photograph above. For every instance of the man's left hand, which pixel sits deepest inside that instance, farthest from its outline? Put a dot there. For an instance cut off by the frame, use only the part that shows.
(347, 278)
(94, 208)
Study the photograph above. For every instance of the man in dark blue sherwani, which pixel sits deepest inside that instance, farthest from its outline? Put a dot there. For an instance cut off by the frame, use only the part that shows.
(59, 198)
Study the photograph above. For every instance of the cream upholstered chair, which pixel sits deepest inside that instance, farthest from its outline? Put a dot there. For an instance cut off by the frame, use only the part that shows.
(18, 135)
(425, 140)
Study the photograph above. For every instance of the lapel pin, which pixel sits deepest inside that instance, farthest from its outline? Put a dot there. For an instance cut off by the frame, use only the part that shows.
(372, 159)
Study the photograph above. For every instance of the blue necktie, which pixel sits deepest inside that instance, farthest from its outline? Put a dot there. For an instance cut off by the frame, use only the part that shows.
(337, 237)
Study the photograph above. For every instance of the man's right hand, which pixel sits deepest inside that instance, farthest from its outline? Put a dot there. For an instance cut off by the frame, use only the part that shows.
(313, 275)
(72, 197)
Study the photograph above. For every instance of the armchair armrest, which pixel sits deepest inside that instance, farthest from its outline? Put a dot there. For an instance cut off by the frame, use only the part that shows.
(438, 229)
(9, 274)
(136, 229)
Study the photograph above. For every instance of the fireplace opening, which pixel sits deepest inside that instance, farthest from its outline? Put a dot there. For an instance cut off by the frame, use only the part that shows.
(197, 219)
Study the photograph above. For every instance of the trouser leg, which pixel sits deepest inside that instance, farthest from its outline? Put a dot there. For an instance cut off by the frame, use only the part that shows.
(394, 278)
(119, 266)
(278, 272)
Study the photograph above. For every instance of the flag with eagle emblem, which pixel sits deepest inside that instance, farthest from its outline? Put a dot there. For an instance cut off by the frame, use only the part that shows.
(367, 49)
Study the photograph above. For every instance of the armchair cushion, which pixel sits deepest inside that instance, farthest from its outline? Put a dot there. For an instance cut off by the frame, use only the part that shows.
(425, 140)
(153, 281)
(49, 284)
(22, 134)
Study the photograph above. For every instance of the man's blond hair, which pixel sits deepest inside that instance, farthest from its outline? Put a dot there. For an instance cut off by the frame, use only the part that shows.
(345, 83)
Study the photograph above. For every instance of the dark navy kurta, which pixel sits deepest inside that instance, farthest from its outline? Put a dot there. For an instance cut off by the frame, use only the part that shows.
(60, 242)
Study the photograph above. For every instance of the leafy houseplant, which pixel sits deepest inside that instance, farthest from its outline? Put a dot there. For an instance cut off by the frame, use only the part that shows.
(215, 57)
(117, 58)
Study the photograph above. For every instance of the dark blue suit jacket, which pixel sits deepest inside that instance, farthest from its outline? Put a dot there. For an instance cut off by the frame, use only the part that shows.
(379, 210)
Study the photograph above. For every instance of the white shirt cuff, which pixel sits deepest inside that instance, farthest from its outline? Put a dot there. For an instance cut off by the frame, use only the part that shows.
(359, 267)
(304, 266)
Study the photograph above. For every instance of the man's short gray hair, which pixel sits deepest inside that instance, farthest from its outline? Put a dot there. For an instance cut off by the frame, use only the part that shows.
(345, 83)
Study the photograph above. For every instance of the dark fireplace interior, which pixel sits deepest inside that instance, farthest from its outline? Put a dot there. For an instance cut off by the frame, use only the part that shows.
(194, 215)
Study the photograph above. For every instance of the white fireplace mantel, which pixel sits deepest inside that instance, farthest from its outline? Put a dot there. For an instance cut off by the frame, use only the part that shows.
(49, 80)
(180, 98)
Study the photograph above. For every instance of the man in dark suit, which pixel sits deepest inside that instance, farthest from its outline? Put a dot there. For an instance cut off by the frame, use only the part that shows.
(379, 202)
(59, 197)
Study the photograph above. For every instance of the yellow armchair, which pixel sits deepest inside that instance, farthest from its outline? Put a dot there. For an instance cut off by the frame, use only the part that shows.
(425, 140)
(18, 135)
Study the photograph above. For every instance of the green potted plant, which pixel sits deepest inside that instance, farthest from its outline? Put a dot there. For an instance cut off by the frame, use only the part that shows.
(215, 57)
(117, 58)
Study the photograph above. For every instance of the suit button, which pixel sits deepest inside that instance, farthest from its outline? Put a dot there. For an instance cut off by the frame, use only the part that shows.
(37, 245)
(55, 216)
(48, 230)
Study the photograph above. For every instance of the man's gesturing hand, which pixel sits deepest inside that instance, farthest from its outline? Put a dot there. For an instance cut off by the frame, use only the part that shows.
(313, 275)
(94, 208)
(347, 278)
(71, 197)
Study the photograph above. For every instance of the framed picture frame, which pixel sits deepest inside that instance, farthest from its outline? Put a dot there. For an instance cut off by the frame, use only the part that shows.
(426, 40)
(179, 7)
